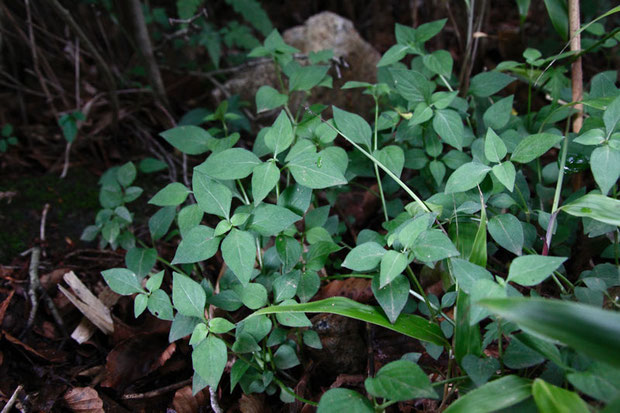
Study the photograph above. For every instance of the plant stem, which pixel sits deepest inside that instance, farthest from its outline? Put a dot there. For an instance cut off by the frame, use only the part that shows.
(246, 200)
(385, 215)
(414, 279)
(421, 298)
(404, 186)
(163, 260)
(292, 393)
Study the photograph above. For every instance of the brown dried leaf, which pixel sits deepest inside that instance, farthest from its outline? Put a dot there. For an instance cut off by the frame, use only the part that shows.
(5, 305)
(133, 359)
(184, 402)
(253, 403)
(357, 289)
(84, 400)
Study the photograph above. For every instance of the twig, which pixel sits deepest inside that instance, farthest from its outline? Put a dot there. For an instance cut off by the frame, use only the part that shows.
(101, 64)
(46, 209)
(157, 392)
(35, 60)
(203, 12)
(213, 398)
(145, 48)
(576, 69)
(9, 405)
(33, 272)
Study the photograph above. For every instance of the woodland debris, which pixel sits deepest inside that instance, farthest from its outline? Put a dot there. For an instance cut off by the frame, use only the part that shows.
(92, 307)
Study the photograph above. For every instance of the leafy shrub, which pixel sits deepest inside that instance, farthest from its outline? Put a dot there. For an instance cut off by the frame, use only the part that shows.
(487, 193)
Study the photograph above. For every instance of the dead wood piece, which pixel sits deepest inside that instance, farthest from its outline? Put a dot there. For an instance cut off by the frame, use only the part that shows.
(93, 308)
(9, 405)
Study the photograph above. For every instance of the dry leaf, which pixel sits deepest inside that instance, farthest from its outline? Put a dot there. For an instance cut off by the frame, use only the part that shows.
(84, 400)
(184, 402)
(253, 403)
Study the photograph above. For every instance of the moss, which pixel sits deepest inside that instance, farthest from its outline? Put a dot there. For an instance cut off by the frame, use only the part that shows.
(73, 202)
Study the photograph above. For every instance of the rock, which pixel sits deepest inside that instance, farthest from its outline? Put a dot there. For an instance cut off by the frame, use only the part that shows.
(322, 31)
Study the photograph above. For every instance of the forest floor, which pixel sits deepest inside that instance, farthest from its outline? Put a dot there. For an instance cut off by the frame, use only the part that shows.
(135, 368)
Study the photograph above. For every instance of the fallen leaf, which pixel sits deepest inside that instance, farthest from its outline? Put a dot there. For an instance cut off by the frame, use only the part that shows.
(184, 402)
(84, 400)
(357, 289)
(253, 403)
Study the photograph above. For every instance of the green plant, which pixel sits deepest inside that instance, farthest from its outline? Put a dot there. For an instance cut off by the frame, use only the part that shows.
(7, 137)
(482, 169)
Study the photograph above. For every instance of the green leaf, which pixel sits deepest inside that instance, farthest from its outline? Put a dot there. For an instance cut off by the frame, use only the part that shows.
(233, 163)
(534, 146)
(585, 328)
(407, 324)
(139, 304)
(433, 245)
(496, 395)
(209, 360)
(466, 177)
(353, 126)
(410, 232)
(498, 115)
(280, 136)
(132, 193)
(605, 165)
(154, 281)
(392, 297)
(122, 281)
(309, 284)
(141, 260)
(591, 137)
(212, 197)
(611, 116)
(479, 370)
(268, 98)
(421, 114)
(189, 217)
(253, 295)
(199, 244)
(488, 83)
(126, 174)
(507, 231)
(558, 13)
(220, 325)
(264, 178)
(392, 157)
(289, 251)
(467, 273)
(285, 357)
(285, 286)
(393, 54)
(188, 296)
(428, 30)
(440, 62)
(393, 263)
(172, 195)
(364, 257)
(533, 269)
(401, 380)
(306, 77)
(412, 85)
(150, 165)
(159, 305)
(316, 172)
(344, 400)
(239, 253)
(466, 330)
(553, 399)
(269, 219)
(160, 222)
(599, 207)
(449, 126)
(291, 318)
(189, 139)
(494, 147)
(600, 381)
(438, 170)
(505, 173)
